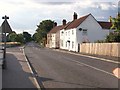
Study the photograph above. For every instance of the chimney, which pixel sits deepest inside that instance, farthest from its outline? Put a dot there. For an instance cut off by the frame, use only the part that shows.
(75, 16)
(64, 22)
(54, 24)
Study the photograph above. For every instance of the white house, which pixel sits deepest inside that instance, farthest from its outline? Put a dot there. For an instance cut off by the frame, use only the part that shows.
(83, 29)
(53, 36)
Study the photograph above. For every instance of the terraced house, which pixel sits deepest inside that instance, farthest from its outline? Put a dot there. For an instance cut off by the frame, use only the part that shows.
(53, 37)
(85, 29)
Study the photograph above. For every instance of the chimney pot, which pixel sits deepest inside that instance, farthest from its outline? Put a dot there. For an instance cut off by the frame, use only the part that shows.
(55, 24)
(75, 16)
(64, 22)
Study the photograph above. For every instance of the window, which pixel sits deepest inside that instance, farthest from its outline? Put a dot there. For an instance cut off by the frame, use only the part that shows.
(66, 44)
(72, 32)
(69, 33)
(84, 31)
(72, 44)
(61, 42)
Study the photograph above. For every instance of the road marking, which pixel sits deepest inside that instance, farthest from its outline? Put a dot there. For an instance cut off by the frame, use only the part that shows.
(37, 85)
(79, 63)
(102, 59)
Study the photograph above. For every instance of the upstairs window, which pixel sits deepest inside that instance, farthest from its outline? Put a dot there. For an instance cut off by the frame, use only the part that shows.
(66, 33)
(72, 32)
(69, 33)
(84, 32)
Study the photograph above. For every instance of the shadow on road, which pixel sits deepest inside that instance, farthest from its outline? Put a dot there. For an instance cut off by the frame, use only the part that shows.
(14, 76)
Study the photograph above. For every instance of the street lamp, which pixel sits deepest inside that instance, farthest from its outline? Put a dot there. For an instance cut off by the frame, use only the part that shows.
(4, 31)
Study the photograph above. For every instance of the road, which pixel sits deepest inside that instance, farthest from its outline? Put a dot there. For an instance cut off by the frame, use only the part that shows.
(63, 70)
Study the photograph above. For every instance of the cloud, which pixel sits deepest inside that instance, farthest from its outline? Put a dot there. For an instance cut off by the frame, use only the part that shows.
(26, 14)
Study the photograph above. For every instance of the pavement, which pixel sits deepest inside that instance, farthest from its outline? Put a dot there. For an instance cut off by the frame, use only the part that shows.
(17, 74)
(64, 70)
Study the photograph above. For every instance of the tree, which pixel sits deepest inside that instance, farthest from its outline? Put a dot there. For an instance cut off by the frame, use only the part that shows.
(116, 23)
(12, 37)
(27, 37)
(42, 29)
(20, 38)
(115, 36)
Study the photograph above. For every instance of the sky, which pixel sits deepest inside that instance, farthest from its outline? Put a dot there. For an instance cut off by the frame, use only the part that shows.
(25, 15)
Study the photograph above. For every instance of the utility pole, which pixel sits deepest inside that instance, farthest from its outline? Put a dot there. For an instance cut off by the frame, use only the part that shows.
(5, 31)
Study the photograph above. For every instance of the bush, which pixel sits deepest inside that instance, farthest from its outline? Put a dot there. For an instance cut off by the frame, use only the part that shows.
(113, 37)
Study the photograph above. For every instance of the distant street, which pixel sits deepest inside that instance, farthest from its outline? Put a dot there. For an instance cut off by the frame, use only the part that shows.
(62, 70)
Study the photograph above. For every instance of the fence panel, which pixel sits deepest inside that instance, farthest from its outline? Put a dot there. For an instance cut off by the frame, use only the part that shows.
(109, 49)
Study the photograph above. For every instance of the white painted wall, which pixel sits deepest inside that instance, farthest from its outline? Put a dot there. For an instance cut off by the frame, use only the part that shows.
(94, 30)
(65, 36)
(94, 33)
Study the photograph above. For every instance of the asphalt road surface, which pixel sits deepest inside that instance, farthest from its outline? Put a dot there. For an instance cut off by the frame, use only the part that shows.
(62, 70)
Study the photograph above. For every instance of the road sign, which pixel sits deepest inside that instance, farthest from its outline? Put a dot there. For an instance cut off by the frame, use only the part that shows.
(6, 27)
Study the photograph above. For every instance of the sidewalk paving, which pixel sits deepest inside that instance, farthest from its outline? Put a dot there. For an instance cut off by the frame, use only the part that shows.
(17, 74)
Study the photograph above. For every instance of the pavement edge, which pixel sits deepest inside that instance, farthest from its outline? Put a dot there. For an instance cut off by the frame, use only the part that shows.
(28, 63)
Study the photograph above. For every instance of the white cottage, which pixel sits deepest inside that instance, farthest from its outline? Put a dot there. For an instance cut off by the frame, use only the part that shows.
(53, 36)
(84, 29)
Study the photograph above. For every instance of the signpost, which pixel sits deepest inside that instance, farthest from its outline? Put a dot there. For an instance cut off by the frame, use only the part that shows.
(5, 29)
(5, 17)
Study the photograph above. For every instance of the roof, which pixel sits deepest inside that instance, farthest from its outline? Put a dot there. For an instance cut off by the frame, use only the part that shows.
(57, 28)
(105, 25)
(75, 23)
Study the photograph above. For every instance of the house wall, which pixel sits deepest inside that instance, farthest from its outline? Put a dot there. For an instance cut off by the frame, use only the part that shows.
(53, 42)
(58, 39)
(62, 37)
(94, 30)
(94, 33)
(49, 41)
(68, 39)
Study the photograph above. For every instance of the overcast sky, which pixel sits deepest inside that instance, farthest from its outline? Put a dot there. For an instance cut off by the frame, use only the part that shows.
(26, 14)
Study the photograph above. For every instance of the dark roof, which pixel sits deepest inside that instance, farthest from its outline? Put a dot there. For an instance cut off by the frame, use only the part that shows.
(57, 28)
(75, 23)
(105, 25)
(6, 27)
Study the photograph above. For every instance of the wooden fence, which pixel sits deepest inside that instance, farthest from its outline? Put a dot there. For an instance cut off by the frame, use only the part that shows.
(109, 49)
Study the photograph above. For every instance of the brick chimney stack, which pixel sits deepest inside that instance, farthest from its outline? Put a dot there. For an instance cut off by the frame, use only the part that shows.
(55, 24)
(75, 16)
(64, 22)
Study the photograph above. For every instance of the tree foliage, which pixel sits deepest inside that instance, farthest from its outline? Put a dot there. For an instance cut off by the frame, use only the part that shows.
(22, 38)
(27, 37)
(42, 29)
(116, 23)
(114, 36)
(12, 37)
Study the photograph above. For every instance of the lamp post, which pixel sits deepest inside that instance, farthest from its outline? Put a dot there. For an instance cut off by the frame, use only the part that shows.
(4, 31)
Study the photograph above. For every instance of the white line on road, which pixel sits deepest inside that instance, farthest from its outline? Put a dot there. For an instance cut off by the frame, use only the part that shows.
(37, 85)
(79, 63)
